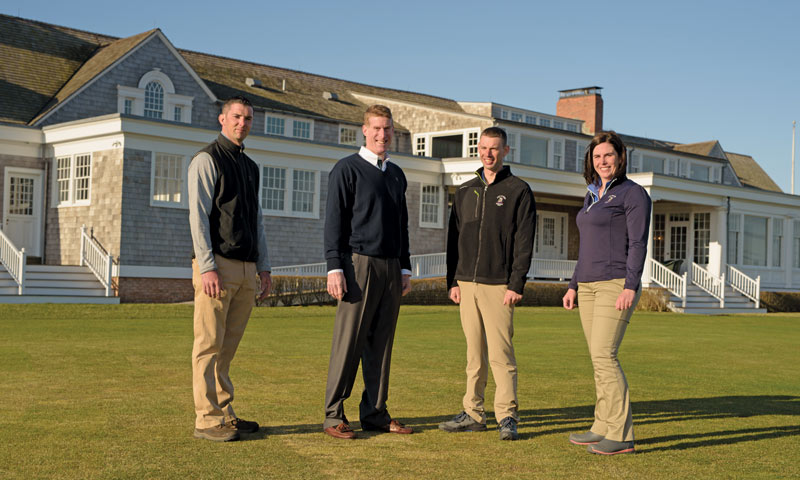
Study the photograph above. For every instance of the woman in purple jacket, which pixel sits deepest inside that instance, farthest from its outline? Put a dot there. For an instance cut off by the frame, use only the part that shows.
(613, 224)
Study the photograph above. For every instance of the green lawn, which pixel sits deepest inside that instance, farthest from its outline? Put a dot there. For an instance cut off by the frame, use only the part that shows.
(105, 392)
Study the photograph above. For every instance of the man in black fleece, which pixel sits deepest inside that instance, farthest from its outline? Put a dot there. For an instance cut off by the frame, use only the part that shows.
(489, 244)
(369, 268)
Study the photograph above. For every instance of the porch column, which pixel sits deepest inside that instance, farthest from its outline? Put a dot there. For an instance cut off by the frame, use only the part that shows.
(646, 274)
(721, 227)
(788, 241)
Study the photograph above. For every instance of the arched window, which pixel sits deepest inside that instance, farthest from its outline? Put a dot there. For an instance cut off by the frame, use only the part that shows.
(153, 100)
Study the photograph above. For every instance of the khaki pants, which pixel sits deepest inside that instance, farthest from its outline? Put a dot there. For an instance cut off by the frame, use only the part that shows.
(604, 326)
(218, 327)
(488, 327)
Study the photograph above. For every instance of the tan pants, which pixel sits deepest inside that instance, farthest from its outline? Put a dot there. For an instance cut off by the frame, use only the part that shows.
(604, 326)
(218, 327)
(488, 327)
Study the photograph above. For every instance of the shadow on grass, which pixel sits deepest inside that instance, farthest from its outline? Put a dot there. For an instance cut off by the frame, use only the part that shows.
(564, 420)
(577, 419)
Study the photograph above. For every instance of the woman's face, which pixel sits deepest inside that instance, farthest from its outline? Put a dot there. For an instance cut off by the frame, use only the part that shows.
(605, 161)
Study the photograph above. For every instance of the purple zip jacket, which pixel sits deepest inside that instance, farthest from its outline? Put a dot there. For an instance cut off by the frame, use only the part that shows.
(613, 231)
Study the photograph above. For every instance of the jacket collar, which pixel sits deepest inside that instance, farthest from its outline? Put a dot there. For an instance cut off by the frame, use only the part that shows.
(228, 145)
(594, 188)
(501, 175)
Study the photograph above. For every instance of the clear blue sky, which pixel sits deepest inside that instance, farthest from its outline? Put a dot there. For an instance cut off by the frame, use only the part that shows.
(684, 71)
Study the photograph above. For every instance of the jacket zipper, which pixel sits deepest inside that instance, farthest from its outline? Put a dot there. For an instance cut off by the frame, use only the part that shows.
(604, 192)
(480, 229)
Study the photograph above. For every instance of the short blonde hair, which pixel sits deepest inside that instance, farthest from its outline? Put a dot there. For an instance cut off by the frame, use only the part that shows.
(377, 111)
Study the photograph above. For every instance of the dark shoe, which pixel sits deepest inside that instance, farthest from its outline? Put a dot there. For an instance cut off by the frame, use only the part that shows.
(243, 426)
(219, 433)
(462, 423)
(588, 438)
(342, 431)
(610, 447)
(392, 427)
(508, 429)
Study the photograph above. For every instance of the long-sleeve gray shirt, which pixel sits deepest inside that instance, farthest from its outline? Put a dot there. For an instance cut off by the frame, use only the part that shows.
(202, 178)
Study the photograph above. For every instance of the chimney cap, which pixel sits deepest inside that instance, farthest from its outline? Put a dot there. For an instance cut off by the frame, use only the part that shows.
(574, 92)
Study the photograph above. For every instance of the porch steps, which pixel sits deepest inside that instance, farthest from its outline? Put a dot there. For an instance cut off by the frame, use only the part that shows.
(700, 302)
(55, 284)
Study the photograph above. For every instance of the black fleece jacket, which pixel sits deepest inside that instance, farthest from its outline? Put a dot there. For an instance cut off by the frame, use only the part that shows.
(490, 236)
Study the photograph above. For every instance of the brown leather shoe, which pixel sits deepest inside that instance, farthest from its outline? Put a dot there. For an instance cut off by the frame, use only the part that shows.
(392, 427)
(342, 431)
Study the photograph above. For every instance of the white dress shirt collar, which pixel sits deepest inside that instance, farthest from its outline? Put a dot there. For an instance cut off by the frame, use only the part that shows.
(372, 158)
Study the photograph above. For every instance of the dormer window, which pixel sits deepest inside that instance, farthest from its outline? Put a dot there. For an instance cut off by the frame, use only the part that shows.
(155, 97)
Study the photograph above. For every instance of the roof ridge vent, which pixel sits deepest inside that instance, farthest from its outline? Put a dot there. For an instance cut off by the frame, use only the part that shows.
(330, 96)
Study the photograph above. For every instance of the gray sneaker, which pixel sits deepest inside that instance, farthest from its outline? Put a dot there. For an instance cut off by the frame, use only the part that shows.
(508, 429)
(588, 438)
(462, 423)
(610, 447)
(219, 433)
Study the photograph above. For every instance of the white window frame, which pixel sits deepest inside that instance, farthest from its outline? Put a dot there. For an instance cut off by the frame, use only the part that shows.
(288, 193)
(288, 125)
(465, 141)
(439, 223)
(183, 168)
(71, 201)
(171, 99)
(421, 145)
(359, 135)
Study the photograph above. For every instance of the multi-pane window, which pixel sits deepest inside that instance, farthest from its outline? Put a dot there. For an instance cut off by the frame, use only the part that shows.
(289, 191)
(419, 147)
(128, 108)
(73, 179)
(755, 241)
(516, 117)
(167, 178)
(702, 237)
(348, 135)
(699, 172)
(548, 231)
(512, 150)
(734, 236)
(20, 196)
(303, 189)
(796, 244)
(777, 241)
(571, 127)
(658, 236)
(178, 113)
(558, 124)
(153, 100)
(504, 114)
(530, 119)
(545, 122)
(581, 153)
(430, 205)
(472, 144)
(276, 125)
(273, 190)
(558, 154)
(652, 164)
(301, 129)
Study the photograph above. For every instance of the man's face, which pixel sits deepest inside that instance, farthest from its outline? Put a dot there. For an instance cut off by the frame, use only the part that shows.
(492, 151)
(378, 134)
(236, 122)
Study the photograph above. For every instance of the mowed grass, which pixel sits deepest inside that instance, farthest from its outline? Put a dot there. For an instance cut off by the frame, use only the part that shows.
(105, 392)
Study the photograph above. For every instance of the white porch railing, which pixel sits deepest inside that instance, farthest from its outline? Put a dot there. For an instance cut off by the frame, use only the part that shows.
(429, 265)
(674, 283)
(713, 285)
(749, 287)
(99, 262)
(13, 260)
(547, 268)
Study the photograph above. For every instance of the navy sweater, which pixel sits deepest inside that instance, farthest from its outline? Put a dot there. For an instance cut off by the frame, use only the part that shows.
(366, 212)
(613, 231)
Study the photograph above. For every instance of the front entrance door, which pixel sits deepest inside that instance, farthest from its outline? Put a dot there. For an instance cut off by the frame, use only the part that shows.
(678, 236)
(551, 236)
(22, 208)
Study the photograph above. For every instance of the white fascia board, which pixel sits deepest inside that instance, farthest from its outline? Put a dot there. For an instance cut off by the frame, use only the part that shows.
(21, 141)
(80, 129)
(147, 271)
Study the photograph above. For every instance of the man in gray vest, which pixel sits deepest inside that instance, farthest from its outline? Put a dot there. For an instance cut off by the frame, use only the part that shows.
(230, 256)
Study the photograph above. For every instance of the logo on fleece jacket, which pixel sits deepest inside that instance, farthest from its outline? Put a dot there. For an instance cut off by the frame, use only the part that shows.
(500, 200)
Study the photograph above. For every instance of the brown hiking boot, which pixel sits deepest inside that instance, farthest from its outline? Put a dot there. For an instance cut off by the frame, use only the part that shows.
(219, 433)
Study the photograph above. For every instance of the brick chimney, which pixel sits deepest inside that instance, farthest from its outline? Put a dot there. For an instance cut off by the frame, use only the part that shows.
(582, 104)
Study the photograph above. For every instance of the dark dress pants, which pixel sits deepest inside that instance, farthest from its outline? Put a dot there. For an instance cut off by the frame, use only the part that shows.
(364, 331)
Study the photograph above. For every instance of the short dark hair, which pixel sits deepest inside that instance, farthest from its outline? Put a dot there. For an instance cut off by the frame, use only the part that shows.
(377, 111)
(589, 173)
(495, 132)
(236, 99)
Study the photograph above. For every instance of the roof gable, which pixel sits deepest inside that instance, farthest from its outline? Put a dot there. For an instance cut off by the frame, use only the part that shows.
(750, 172)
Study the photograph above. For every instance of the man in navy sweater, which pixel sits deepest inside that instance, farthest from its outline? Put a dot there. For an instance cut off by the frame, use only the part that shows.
(369, 269)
